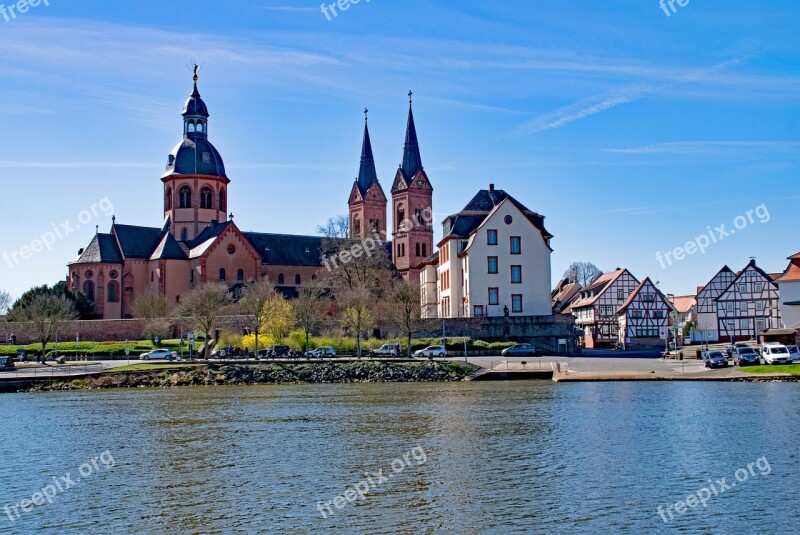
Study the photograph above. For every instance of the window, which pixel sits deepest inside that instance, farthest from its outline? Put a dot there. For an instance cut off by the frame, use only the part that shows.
(191, 126)
(184, 234)
(222, 275)
(419, 249)
(620, 295)
(516, 274)
(658, 314)
(298, 280)
(168, 202)
(206, 196)
(758, 288)
(516, 304)
(200, 126)
(743, 288)
(113, 292)
(221, 201)
(491, 237)
(493, 269)
(743, 307)
(494, 296)
(281, 279)
(516, 245)
(185, 194)
(731, 326)
(478, 311)
(425, 250)
(401, 216)
(760, 306)
(206, 157)
(240, 275)
(88, 290)
(191, 276)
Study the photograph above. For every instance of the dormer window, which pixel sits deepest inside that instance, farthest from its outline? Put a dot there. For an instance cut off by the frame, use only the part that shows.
(206, 156)
(170, 160)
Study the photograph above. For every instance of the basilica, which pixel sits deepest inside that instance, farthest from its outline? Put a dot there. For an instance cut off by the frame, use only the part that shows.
(199, 243)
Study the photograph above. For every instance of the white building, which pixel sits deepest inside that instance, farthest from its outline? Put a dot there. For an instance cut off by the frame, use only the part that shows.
(789, 288)
(494, 258)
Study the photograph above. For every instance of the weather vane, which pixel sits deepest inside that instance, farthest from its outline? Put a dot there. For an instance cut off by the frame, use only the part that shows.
(196, 69)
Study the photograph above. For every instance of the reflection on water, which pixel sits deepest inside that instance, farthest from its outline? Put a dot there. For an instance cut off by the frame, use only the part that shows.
(501, 457)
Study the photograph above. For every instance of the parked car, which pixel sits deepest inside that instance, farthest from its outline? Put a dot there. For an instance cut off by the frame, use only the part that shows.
(278, 351)
(519, 350)
(715, 359)
(743, 356)
(6, 363)
(322, 352)
(794, 353)
(775, 354)
(431, 352)
(157, 354)
(387, 350)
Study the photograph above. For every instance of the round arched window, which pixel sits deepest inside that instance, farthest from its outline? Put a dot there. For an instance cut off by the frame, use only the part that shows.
(509, 220)
(113, 274)
(231, 249)
(89, 274)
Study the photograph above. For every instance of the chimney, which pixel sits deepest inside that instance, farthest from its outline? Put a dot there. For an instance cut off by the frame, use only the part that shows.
(491, 187)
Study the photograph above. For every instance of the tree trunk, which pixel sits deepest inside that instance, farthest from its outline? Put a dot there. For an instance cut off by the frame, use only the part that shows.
(307, 336)
(409, 345)
(256, 343)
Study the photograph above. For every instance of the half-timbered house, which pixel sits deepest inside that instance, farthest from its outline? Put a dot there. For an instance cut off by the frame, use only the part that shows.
(749, 306)
(644, 317)
(596, 309)
(707, 318)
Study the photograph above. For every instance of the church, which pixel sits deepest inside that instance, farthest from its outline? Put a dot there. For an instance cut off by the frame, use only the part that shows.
(199, 243)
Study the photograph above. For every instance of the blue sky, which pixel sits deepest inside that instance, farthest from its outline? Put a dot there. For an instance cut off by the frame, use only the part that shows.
(630, 130)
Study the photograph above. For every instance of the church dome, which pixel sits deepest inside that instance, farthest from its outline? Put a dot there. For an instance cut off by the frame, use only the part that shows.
(195, 156)
(195, 104)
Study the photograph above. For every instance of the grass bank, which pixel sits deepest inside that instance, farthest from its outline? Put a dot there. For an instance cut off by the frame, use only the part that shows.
(790, 369)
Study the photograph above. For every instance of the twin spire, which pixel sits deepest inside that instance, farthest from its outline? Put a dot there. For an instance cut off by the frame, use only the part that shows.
(412, 160)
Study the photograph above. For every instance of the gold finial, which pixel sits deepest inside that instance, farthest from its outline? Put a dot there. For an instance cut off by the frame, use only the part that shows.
(196, 68)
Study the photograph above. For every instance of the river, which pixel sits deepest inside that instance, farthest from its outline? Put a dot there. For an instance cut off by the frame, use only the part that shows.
(516, 457)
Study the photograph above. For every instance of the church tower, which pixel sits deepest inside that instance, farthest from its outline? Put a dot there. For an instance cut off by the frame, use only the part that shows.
(367, 199)
(412, 207)
(195, 184)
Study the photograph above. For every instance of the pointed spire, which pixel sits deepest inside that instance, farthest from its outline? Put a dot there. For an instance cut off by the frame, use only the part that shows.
(412, 160)
(367, 175)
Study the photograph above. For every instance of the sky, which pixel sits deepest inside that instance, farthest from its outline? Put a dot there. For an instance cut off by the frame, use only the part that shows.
(633, 129)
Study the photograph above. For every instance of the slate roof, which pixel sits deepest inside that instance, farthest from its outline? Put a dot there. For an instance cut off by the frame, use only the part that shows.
(287, 250)
(462, 224)
(367, 175)
(169, 249)
(101, 250)
(412, 160)
(638, 290)
(195, 105)
(137, 242)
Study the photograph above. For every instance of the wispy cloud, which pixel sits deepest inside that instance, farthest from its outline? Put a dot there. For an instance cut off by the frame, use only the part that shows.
(711, 147)
(291, 9)
(5, 164)
(581, 110)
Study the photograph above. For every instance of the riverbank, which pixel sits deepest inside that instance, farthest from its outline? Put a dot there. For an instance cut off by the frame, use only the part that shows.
(275, 373)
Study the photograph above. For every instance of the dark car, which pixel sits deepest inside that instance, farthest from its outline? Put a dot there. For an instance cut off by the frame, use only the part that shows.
(520, 350)
(744, 356)
(6, 363)
(715, 359)
(279, 351)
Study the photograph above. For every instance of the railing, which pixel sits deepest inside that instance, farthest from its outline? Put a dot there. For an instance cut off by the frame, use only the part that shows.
(55, 371)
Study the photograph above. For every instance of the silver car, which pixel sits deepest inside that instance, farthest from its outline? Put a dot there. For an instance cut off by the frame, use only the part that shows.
(794, 354)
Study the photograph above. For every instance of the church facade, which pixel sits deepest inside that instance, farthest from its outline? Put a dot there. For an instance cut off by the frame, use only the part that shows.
(198, 243)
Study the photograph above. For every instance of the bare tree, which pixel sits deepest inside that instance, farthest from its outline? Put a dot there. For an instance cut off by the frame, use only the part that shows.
(254, 304)
(336, 228)
(5, 302)
(310, 307)
(46, 314)
(152, 308)
(405, 310)
(204, 306)
(584, 273)
(357, 315)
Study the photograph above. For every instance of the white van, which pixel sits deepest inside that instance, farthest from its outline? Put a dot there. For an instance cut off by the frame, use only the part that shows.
(775, 354)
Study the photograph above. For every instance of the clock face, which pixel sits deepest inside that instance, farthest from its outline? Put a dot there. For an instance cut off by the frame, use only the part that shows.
(420, 183)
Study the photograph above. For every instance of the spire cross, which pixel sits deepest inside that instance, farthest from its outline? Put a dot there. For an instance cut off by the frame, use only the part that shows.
(366, 115)
(410, 95)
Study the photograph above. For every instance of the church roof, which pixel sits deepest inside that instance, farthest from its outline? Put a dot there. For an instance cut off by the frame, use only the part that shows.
(195, 156)
(367, 175)
(101, 250)
(287, 250)
(137, 242)
(412, 160)
(169, 249)
(195, 105)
